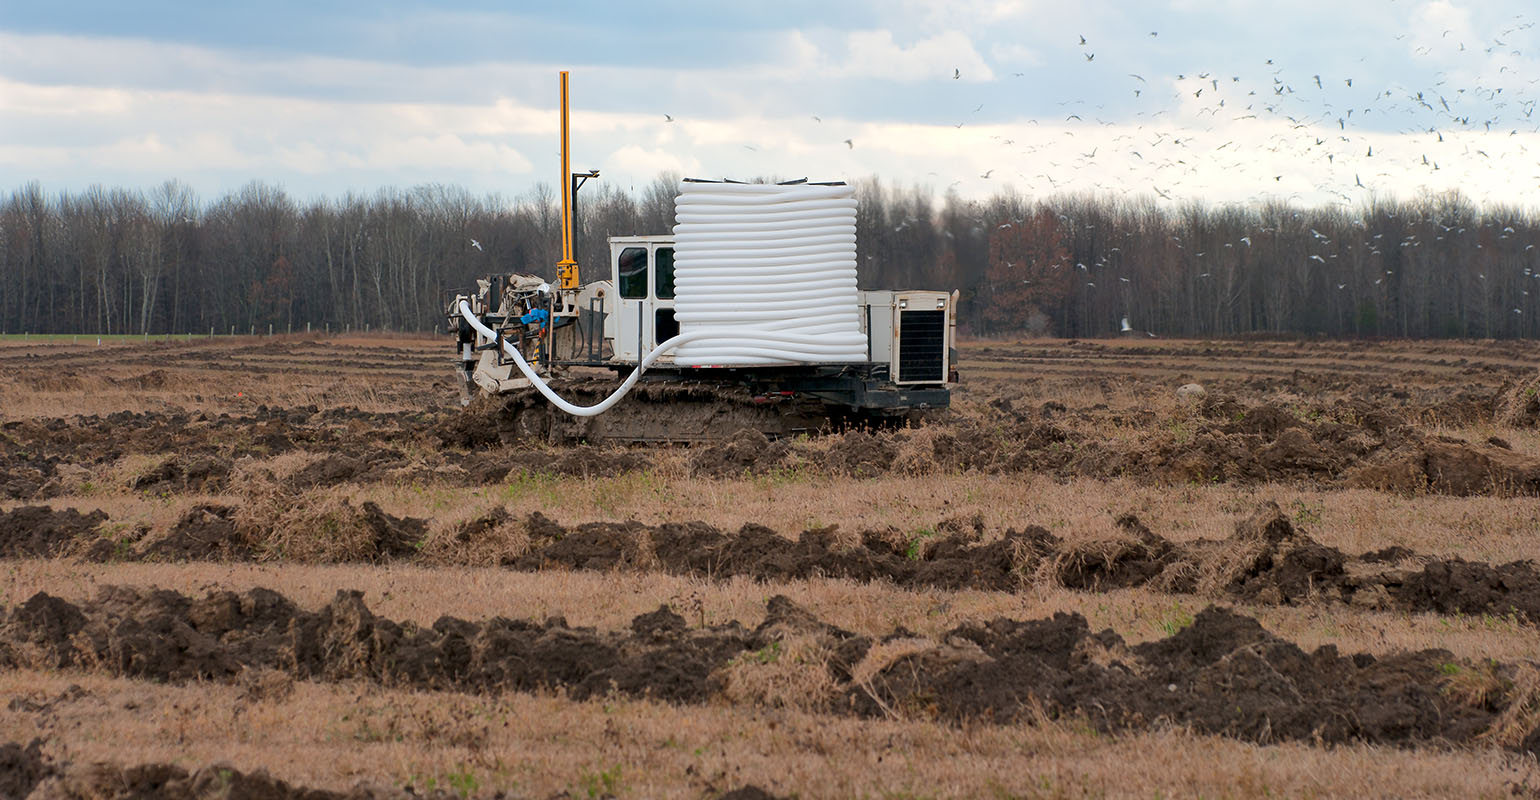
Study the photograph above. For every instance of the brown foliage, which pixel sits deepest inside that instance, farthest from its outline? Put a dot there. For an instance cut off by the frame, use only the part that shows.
(1029, 270)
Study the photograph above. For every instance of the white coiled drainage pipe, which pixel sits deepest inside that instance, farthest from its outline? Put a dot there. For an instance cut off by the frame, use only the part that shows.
(763, 274)
(772, 269)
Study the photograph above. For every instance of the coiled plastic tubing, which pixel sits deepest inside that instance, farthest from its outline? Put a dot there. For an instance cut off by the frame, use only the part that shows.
(769, 271)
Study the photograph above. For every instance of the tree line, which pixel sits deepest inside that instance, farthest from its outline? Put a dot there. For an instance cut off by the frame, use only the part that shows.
(118, 261)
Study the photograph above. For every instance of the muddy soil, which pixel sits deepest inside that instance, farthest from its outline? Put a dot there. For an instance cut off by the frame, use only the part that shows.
(200, 447)
(1347, 443)
(1265, 561)
(1222, 674)
(41, 532)
(203, 474)
(25, 772)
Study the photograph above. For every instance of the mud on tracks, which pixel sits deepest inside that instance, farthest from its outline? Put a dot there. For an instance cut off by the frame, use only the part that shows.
(1223, 674)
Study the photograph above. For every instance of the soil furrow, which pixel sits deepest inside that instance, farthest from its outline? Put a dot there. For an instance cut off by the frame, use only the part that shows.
(1266, 561)
(1222, 674)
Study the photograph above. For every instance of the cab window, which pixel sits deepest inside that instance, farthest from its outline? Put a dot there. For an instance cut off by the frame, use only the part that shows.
(633, 273)
(664, 270)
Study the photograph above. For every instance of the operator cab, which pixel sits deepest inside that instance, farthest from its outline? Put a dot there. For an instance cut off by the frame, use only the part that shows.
(642, 269)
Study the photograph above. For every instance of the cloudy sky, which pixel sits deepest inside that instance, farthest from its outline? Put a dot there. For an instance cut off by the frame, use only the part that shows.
(1329, 101)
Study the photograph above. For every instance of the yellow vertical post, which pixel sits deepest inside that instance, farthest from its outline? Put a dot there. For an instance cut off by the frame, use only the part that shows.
(567, 267)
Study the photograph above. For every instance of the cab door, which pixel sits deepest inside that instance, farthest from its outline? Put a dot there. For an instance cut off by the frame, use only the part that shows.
(633, 330)
(644, 285)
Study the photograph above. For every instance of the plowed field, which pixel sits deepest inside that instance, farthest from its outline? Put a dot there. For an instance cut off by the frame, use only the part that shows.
(297, 568)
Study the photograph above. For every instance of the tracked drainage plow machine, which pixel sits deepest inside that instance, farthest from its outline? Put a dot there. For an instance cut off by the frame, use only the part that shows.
(747, 316)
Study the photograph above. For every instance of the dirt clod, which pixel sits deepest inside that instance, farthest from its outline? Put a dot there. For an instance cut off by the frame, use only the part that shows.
(41, 532)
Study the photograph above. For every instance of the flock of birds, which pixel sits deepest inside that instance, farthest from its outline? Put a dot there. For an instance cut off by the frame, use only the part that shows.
(1341, 139)
(1335, 139)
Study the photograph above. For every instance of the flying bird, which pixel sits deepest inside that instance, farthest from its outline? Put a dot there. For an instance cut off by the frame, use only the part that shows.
(1082, 38)
(956, 73)
(668, 118)
(850, 144)
(476, 244)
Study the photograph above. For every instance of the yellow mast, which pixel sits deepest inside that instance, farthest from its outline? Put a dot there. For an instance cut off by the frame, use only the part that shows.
(567, 267)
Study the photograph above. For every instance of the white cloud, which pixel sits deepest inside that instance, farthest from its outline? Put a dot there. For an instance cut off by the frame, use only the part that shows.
(1016, 55)
(875, 54)
(80, 110)
(639, 161)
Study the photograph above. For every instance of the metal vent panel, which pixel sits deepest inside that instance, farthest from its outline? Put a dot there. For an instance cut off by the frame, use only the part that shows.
(921, 347)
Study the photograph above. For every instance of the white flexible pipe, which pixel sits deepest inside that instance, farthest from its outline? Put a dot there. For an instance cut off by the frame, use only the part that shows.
(768, 347)
(556, 400)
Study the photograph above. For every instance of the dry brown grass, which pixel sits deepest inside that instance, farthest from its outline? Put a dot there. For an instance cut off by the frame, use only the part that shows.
(791, 672)
(332, 736)
(484, 541)
(1522, 716)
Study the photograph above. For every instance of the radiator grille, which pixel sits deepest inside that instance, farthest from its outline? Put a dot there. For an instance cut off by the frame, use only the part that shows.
(921, 347)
